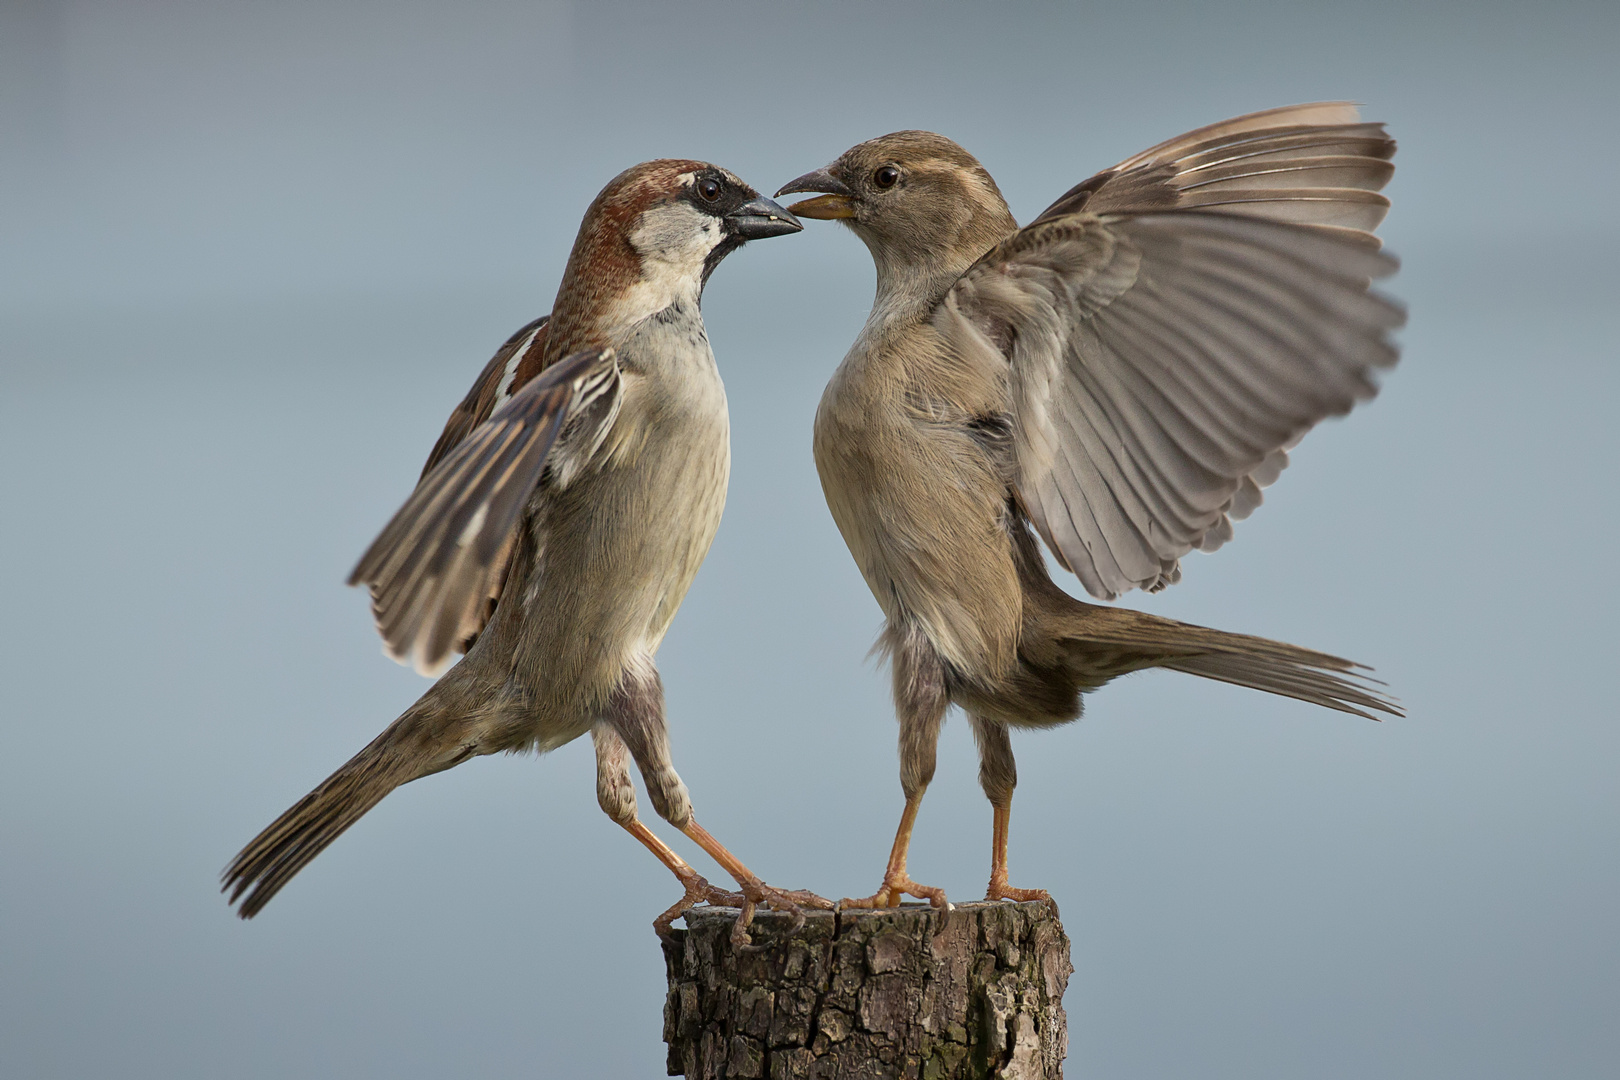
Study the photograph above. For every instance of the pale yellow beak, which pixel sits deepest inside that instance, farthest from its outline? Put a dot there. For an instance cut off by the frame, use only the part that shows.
(838, 202)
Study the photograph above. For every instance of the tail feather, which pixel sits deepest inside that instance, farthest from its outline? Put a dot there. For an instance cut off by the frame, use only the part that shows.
(412, 747)
(1333, 688)
(1258, 663)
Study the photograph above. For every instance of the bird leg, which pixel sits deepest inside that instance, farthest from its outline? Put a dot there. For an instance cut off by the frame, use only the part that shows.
(698, 889)
(998, 775)
(617, 797)
(920, 702)
(999, 889)
(635, 722)
(896, 882)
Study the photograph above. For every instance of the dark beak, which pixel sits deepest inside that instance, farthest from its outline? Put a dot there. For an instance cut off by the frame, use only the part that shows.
(838, 202)
(760, 219)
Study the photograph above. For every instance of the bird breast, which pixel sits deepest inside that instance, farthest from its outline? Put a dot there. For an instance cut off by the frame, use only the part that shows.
(621, 544)
(918, 496)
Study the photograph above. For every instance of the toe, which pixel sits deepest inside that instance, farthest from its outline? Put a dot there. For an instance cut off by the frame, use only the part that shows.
(896, 890)
(1003, 891)
(698, 891)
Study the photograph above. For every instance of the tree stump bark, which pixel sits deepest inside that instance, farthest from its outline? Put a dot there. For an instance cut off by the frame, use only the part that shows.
(973, 994)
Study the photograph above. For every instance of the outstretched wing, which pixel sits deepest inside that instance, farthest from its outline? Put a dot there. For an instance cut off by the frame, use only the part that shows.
(1173, 325)
(1316, 165)
(431, 568)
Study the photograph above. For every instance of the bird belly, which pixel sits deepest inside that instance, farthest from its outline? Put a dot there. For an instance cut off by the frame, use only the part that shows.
(922, 510)
(622, 544)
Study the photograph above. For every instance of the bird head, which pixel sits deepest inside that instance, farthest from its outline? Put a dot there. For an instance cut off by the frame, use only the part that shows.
(924, 206)
(654, 234)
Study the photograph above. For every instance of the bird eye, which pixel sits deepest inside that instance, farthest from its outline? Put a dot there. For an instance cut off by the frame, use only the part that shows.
(886, 176)
(709, 188)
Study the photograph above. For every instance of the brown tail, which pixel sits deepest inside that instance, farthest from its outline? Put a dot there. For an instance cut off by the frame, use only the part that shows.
(1311, 676)
(412, 747)
(1259, 663)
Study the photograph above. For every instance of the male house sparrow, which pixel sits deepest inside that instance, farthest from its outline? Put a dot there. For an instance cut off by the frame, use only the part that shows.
(1124, 374)
(555, 529)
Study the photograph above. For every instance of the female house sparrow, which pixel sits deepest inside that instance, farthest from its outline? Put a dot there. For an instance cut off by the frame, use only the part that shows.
(555, 529)
(1123, 375)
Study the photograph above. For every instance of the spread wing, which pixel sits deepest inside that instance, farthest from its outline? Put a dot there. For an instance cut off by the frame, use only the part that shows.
(1316, 165)
(1173, 325)
(434, 566)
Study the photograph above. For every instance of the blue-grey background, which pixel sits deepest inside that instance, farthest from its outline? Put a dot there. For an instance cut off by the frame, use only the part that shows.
(250, 256)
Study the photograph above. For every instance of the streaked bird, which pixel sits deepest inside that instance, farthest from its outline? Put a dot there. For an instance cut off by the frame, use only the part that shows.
(554, 531)
(1119, 377)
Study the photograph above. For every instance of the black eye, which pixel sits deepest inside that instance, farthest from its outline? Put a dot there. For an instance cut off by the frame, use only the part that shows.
(709, 188)
(886, 177)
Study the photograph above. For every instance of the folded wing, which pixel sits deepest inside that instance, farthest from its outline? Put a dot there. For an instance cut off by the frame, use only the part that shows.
(516, 362)
(431, 568)
(1174, 324)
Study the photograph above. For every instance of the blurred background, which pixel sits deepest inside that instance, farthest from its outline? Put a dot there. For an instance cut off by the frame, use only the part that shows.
(252, 254)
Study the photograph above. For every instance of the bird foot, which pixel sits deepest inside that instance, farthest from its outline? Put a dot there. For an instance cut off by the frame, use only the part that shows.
(698, 891)
(1000, 890)
(792, 901)
(896, 886)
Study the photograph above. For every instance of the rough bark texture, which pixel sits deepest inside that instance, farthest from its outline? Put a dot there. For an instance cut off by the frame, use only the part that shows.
(870, 995)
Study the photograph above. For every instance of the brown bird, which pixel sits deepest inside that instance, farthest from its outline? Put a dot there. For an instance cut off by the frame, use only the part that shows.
(555, 529)
(1121, 376)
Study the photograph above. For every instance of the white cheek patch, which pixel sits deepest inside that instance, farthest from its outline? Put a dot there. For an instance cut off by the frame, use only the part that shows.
(676, 232)
(673, 239)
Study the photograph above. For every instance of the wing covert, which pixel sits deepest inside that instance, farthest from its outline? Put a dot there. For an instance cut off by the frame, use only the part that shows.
(517, 360)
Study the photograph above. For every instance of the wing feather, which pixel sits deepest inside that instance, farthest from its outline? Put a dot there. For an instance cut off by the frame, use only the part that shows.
(1212, 417)
(1174, 325)
(1204, 394)
(431, 567)
(1317, 164)
(517, 360)
(1311, 116)
(1090, 467)
(1315, 171)
(494, 384)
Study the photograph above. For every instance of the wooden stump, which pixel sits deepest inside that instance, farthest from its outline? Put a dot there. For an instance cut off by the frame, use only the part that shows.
(870, 995)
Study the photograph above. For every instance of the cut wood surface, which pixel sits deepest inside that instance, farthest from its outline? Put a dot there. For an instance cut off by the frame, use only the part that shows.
(906, 992)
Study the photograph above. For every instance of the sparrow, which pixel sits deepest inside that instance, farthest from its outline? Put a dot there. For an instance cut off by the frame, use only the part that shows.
(1120, 377)
(555, 529)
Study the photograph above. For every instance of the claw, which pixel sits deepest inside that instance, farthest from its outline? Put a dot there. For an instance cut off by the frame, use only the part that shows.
(793, 901)
(895, 886)
(1000, 890)
(739, 929)
(698, 891)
